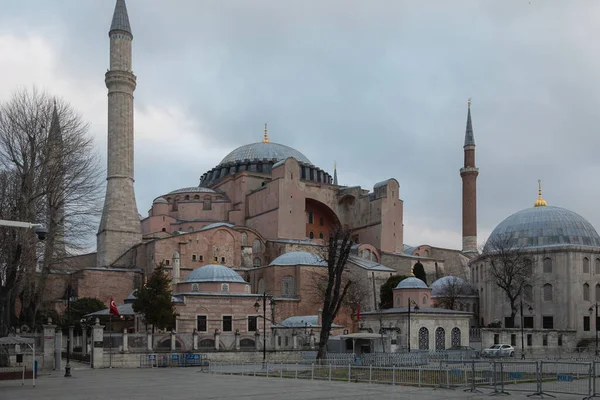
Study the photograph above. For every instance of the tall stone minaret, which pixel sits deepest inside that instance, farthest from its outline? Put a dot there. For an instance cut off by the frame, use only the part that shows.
(469, 174)
(55, 198)
(120, 227)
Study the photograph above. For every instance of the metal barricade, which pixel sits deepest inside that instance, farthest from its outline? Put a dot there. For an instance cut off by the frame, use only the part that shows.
(566, 378)
(522, 376)
(148, 361)
(456, 374)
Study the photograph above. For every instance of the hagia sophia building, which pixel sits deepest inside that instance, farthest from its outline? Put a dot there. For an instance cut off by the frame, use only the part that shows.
(258, 221)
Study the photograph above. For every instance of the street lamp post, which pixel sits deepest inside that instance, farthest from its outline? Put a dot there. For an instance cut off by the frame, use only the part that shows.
(410, 303)
(523, 331)
(595, 325)
(68, 365)
(264, 316)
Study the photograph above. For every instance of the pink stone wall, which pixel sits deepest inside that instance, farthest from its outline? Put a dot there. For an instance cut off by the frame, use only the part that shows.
(213, 287)
(420, 296)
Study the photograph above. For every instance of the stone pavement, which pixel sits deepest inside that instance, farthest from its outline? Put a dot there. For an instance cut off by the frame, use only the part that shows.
(191, 383)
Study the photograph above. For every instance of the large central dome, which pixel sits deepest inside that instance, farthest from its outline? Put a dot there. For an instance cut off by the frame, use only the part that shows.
(264, 151)
(545, 227)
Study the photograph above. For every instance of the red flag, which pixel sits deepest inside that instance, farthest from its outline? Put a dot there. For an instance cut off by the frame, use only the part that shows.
(113, 308)
(358, 313)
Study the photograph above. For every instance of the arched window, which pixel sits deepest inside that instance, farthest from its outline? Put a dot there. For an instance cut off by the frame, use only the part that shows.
(586, 292)
(424, 300)
(244, 239)
(191, 229)
(598, 292)
(225, 287)
(288, 286)
(321, 221)
(440, 339)
(260, 286)
(206, 344)
(256, 262)
(207, 203)
(547, 291)
(311, 235)
(426, 253)
(195, 287)
(398, 301)
(256, 247)
(597, 265)
(528, 293)
(187, 196)
(321, 235)
(197, 197)
(247, 344)
(547, 265)
(528, 267)
(586, 265)
(423, 339)
(455, 337)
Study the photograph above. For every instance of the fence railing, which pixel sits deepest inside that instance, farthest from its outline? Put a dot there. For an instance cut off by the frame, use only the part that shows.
(529, 377)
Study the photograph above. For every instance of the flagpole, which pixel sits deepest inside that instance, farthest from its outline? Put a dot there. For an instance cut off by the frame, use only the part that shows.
(110, 341)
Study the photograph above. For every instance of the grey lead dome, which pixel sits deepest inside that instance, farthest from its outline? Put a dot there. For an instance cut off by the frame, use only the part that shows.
(264, 151)
(545, 227)
(214, 273)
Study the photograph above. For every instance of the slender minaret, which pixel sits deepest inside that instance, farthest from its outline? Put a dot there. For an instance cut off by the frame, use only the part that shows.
(56, 203)
(469, 195)
(120, 225)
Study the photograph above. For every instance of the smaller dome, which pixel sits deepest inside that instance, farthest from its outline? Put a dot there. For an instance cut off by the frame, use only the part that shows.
(438, 287)
(193, 189)
(412, 283)
(160, 200)
(299, 258)
(214, 273)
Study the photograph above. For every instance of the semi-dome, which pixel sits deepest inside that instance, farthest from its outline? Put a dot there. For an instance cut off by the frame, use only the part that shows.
(299, 258)
(264, 151)
(457, 285)
(214, 273)
(160, 200)
(193, 189)
(544, 226)
(411, 283)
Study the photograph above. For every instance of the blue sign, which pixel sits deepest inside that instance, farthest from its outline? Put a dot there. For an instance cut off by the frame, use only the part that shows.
(175, 357)
(455, 372)
(515, 375)
(565, 378)
(152, 357)
(192, 356)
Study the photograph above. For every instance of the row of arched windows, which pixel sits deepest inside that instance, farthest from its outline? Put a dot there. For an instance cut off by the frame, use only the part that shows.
(547, 292)
(440, 338)
(586, 292)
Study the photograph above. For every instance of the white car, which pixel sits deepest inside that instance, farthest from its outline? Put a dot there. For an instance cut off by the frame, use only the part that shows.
(499, 350)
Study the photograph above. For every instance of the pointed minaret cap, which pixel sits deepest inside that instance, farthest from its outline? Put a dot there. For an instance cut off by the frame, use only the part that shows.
(335, 181)
(120, 21)
(469, 138)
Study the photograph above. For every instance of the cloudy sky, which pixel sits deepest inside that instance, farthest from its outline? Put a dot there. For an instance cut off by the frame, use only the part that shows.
(379, 86)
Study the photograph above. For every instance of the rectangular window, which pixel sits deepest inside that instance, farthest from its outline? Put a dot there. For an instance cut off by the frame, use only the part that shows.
(528, 322)
(545, 340)
(529, 339)
(560, 340)
(508, 322)
(216, 259)
(193, 257)
(496, 338)
(310, 217)
(227, 323)
(513, 340)
(279, 341)
(598, 323)
(201, 323)
(222, 260)
(201, 257)
(548, 322)
(252, 323)
(586, 324)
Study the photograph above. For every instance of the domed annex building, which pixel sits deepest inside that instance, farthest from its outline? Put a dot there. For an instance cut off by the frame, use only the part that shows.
(562, 251)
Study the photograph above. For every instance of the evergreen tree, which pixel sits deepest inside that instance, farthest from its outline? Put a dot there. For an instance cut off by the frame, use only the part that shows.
(386, 294)
(419, 272)
(79, 308)
(153, 300)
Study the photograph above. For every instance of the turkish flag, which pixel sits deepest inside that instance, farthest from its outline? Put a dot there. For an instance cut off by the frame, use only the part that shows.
(113, 308)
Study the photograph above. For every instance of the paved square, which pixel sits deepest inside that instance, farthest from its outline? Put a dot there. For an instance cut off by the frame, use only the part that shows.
(191, 383)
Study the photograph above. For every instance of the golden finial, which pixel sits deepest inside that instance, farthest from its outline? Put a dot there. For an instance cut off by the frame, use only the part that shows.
(266, 136)
(469, 103)
(412, 271)
(540, 202)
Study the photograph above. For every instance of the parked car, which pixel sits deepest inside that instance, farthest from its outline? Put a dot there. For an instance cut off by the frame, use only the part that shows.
(499, 350)
(462, 352)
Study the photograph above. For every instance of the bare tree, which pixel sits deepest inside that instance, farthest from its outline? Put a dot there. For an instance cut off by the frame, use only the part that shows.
(452, 292)
(337, 285)
(508, 267)
(49, 173)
